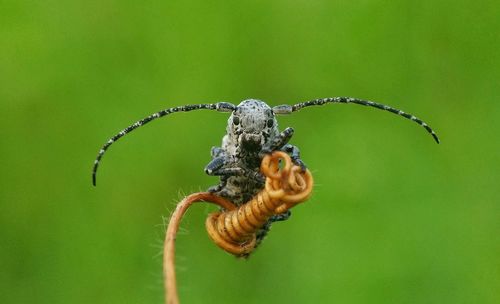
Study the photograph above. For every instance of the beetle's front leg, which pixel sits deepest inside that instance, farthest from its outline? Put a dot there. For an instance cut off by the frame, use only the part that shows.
(215, 168)
(216, 164)
(281, 143)
(294, 155)
(278, 142)
(225, 167)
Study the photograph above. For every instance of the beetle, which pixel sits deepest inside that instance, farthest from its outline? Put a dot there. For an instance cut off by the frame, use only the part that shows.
(252, 131)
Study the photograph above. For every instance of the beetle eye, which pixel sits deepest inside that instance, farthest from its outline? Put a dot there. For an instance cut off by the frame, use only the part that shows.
(236, 120)
(270, 123)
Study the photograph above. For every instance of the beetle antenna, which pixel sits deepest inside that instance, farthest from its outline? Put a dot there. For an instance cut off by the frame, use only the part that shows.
(220, 106)
(322, 101)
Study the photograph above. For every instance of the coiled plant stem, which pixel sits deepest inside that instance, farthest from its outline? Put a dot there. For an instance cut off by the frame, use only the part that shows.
(234, 229)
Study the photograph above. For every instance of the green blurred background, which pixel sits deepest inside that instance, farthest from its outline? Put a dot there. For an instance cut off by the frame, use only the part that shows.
(394, 218)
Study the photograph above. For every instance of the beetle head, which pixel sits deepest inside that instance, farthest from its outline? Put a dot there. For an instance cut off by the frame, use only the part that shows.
(252, 122)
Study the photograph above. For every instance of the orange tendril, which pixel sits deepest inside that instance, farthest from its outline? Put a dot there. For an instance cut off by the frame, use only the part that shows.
(235, 228)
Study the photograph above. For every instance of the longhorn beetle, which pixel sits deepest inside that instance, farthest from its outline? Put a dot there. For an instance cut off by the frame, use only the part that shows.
(252, 131)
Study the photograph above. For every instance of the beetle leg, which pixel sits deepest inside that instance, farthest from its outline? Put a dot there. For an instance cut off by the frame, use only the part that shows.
(281, 217)
(215, 166)
(295, 155)
(216, 152)
(280, 141)
(220, 167)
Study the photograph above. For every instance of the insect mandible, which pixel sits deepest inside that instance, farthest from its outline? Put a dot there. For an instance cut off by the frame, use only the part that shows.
(252, 131)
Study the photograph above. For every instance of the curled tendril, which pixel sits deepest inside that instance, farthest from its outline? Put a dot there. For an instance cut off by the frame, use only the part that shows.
(235, 228)
(286, 186)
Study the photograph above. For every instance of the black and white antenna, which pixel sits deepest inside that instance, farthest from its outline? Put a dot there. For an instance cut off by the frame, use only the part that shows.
(287, 109)
(220, 106)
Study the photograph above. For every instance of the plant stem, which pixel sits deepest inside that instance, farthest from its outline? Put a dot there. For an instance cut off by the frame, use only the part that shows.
(171, 295)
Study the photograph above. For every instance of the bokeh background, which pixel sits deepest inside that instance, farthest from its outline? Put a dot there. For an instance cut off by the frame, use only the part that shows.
(395, 218)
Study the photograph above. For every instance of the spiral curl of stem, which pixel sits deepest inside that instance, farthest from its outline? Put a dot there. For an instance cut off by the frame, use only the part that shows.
(235, 230)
